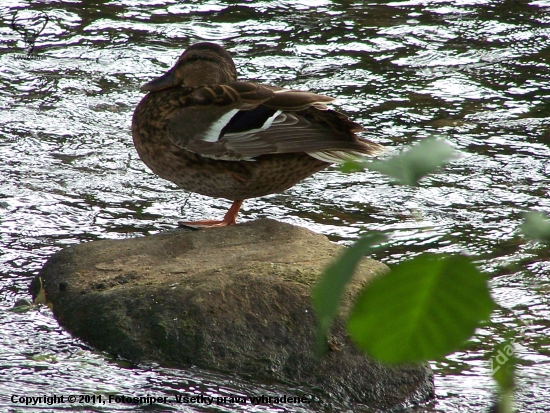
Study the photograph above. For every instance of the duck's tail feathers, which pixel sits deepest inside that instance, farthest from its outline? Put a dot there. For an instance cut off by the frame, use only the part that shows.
(340, 156)
(337, 156)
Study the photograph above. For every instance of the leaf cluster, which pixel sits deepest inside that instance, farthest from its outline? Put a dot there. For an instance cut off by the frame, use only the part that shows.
(427, 307)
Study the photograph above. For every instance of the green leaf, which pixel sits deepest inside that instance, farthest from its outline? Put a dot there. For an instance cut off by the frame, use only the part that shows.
(352, 166)
(503, 365)
(410, 166)
(536, 226)
(424, 309)
(328, 291)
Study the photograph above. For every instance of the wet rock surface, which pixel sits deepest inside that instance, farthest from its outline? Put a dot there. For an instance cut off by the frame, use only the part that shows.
(233, 299)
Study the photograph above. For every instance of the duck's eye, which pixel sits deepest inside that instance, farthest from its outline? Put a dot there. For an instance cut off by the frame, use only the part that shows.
(193, 58)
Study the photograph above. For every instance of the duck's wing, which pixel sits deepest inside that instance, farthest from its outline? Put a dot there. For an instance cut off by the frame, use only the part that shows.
(244, 120)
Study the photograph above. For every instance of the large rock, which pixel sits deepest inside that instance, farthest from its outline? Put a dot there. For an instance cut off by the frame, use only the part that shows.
(233, 299)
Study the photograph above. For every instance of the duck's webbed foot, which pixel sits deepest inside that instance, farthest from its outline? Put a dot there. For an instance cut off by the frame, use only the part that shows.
(230, 218)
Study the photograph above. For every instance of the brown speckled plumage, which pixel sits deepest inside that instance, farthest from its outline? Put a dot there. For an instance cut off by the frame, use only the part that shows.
(210, 134)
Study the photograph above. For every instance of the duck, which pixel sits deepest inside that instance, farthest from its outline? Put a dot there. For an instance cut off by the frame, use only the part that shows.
(201, 128)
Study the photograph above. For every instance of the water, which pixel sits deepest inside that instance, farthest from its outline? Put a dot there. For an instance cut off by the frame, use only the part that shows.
(475, 72)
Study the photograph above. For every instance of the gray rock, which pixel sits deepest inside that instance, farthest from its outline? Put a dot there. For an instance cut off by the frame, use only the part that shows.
(233, 299)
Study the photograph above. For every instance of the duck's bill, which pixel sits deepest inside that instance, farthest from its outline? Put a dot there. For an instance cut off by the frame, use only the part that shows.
(166, 80)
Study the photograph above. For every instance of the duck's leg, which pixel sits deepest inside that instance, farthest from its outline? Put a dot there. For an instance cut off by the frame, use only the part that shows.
(230, 218)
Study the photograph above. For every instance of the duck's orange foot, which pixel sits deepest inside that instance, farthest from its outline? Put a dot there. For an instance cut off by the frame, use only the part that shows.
(230, 218)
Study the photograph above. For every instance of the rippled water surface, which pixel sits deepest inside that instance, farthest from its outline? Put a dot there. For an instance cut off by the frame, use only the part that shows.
(474, 72)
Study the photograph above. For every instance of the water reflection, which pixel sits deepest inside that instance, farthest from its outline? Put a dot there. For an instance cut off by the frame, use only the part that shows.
(474, 72)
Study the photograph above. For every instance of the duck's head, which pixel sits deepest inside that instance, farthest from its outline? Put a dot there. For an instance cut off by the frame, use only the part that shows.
(201, 64)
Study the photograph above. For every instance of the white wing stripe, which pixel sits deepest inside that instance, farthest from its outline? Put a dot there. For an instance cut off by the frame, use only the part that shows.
(270, 120)
(213, 133)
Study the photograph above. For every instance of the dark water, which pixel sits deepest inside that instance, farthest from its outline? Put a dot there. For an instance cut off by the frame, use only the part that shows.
(476, 73)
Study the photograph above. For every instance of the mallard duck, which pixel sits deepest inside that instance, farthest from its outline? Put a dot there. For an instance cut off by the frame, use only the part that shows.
(207, 132)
